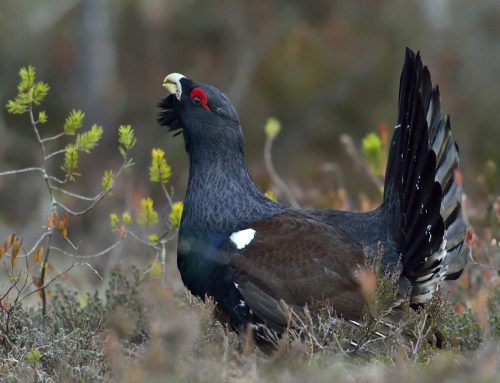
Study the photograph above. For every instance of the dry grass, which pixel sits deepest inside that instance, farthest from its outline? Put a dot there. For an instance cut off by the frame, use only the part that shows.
(144, 332)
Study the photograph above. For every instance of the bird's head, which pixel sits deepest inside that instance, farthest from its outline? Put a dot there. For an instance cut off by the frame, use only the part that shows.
(201, 112)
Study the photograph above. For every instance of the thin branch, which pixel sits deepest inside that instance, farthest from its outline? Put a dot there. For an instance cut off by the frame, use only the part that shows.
(19, 171)
(100, 196)
(277, 180)
(167, 194)
(358, 160)
(53, 208)
(47, 139)
(96, 199)
(89, 256)
(75, 247)
(37, 243)
(55, 179)
(48, 283)
(53, 154)
(139, 239)
(79, 196)
(93, 269)
(35, 129)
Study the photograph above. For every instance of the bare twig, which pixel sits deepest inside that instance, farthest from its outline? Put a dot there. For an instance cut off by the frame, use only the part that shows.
(93, 269)
(52, 209)
(89, 256)
(139, 239)
(95, 200)
(53, 154)
(52, 138)
(74, 195)
(277, 180)
(167, 194)
(55, 179)
(37, 243)
(357, 159)
(48, 283)
(19, 171)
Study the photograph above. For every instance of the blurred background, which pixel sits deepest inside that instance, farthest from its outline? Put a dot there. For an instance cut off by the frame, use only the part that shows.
(323, 68)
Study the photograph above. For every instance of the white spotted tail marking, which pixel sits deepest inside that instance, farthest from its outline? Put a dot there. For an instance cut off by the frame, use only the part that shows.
(242, 238)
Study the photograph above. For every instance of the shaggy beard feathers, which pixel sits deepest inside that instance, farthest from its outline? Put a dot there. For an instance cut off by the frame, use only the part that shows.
(168, 115)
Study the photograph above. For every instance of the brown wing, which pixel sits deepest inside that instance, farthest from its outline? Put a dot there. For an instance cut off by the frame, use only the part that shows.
(302, 261)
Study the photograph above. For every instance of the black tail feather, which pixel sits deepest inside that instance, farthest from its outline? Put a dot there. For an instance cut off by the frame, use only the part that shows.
(422, 200)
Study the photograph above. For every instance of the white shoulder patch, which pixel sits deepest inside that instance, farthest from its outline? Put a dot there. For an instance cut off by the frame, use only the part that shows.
(242, 238)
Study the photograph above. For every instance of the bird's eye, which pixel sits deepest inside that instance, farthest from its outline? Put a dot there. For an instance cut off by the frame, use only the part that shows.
(199, 97)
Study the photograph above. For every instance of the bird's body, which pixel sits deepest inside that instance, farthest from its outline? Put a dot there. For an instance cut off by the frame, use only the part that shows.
(250, 253)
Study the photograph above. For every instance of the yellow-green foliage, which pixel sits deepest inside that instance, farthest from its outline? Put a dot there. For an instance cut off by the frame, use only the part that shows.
(127, 218)
(42, 117)
(33, 356)
(160, 170)
(29, 92)
(156, 269)
(269, 194)
(175, 215)
(107, 180)
(272, 127)
(373, 151)
(147, 214)
(126, 138)
(71, 162)
(114, 220)
(73, 122)
(88, 140)
(154, 238)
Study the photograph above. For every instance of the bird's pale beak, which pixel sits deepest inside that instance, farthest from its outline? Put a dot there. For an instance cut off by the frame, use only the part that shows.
(173, 84)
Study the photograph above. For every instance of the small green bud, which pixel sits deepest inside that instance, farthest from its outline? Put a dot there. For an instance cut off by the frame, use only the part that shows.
(374, 153)
(108, 180)
(147, 214)
(127, 218)
(175, 215)
(42, 117)
(272, 127)
(114, 220)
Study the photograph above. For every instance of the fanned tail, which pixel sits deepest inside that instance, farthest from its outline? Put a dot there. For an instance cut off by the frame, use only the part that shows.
(421, 198)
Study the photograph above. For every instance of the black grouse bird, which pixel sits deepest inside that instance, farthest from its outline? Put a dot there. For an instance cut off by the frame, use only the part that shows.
(249, 253)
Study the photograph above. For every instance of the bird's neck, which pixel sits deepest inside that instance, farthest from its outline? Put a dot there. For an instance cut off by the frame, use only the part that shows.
(221, 195)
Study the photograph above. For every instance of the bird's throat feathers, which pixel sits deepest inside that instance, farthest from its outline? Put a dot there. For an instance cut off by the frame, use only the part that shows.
(221, 193)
